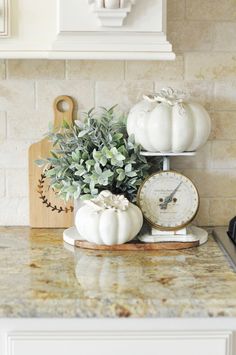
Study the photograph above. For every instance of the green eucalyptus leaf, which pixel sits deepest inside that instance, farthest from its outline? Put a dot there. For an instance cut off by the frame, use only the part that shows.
(108, 153)
(86, 197)
(103, 181)
(131, 139)
(89, 163)
(117, 162)
(85, 155)
(103, 161)
(131, 173)
(76, 156)
(54, 154)
(65, 124)
(114, 151)
(120, 157)
(68, 196)
(97, 169)
(123, 150)
(107, 173)
(82, 133)
(97, 155)
(50, 172)
(40, 162)
(112, 108)
(94, 192)
(80, 170)
(90, 111)
(117, 136)
(128, 168)
(121, 176)
(79, 124)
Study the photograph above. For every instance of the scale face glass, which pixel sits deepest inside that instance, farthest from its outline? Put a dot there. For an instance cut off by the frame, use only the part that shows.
(169, 200)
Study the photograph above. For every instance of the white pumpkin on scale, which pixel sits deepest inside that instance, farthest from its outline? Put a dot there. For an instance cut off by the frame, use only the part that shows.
(166, 122)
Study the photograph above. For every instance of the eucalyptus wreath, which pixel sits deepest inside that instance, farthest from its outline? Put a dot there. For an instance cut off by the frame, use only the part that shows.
(94, 154)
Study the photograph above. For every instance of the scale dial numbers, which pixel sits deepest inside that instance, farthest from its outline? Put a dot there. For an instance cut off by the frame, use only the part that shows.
(168, 200)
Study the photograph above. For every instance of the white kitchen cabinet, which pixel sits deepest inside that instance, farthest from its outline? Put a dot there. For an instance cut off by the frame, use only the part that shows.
(72, 29)
(4, 18)
(208, 343)
(92, 337)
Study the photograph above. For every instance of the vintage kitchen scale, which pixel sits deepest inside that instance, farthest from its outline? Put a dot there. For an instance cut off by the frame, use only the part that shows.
(169, 202)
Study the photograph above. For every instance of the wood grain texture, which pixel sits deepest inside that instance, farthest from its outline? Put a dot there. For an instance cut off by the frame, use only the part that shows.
(137, 246)
(46, 209)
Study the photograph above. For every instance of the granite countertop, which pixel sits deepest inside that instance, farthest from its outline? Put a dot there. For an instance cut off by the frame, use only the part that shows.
(40, 277)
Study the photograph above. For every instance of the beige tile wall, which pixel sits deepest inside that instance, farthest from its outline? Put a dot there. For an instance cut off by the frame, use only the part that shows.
(203, 34)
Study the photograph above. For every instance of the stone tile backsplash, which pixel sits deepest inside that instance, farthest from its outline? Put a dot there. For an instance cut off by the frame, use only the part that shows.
(155, 70)
(211, 10)
(203, 36)
(37, 69)
(210, 66)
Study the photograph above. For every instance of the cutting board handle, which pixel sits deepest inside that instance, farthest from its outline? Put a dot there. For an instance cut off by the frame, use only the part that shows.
(60, 113)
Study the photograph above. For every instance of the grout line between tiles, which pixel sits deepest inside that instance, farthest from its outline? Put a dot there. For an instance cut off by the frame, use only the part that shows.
(95, 93)
(6, 69)
(5, 183)
(6, 124)
(66, 69)
(125, 70)
(36, 95)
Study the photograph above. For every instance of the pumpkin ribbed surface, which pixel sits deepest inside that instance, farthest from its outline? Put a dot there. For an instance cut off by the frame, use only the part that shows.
(109, 226)
(159, 127)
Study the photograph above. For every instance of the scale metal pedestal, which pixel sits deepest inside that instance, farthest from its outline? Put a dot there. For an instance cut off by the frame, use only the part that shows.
(188, 234)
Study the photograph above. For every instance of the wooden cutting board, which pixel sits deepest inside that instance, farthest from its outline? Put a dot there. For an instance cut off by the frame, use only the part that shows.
(46, 209)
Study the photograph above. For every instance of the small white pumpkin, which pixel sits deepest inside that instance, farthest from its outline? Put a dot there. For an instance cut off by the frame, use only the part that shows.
(165, 123)
(108, 219)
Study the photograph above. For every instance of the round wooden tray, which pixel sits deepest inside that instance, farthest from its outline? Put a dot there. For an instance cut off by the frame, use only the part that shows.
(72, 237)
(138, 246)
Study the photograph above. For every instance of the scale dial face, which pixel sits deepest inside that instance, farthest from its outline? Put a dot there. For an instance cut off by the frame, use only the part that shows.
(168, 200)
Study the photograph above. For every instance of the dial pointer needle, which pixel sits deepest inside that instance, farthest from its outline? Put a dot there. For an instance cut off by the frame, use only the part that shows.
(168, 199)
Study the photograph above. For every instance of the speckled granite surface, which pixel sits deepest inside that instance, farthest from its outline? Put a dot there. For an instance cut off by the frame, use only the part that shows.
(39, 277)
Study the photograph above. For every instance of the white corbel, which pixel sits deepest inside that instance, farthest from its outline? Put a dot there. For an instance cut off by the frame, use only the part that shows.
(111, 13)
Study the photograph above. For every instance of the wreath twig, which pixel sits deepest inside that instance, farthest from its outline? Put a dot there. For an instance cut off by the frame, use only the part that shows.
(45, 200)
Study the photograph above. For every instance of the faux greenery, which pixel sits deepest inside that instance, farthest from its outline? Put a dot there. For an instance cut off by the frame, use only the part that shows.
(95, 154)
